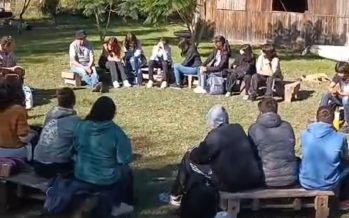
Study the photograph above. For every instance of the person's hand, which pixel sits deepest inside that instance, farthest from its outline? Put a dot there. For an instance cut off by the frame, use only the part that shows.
(242, 52)
(203, 69)
(88, 70)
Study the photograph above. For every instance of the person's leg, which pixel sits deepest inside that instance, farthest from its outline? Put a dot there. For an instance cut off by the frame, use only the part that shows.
(231, 81)
(178, 186)
(269, 83)
(165, 66)
(254, 85)
(177, 74)
(94, 77)
(135, 65)
(247, 80)
(345, 103)
(83, 75)
(111, 66)
(151, 66)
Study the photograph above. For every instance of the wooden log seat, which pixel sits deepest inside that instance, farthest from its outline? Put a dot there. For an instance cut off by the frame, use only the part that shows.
(71, 78)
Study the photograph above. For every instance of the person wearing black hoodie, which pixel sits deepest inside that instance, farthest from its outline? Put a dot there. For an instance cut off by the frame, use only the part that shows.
(275, 141)
(190, 63)
(215, 64)
(224, 156)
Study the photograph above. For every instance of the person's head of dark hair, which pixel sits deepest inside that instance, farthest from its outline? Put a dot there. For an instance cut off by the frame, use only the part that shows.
(199, 202)
(268, 105)
(269, 51)
(11, 92)
(102, 110)
(66, 97)
(184, 45)
(325, 114)
(247, 48)
(219, 42)
(342, 69)
(130, 40)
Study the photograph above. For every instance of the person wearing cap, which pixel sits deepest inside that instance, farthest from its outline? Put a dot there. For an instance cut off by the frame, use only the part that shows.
(268, 69)
(216, 62)
(161, 57)
(8, 61)
(82, 61)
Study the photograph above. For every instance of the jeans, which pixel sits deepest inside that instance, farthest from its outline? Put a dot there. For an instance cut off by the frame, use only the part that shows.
(135, 63)
(257, 80)
(330, 100)
(164, 65)
(115, 68)
(90, 80)
(180, 70)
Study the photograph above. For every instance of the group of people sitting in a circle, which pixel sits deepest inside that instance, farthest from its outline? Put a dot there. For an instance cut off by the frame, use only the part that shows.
(125, 63)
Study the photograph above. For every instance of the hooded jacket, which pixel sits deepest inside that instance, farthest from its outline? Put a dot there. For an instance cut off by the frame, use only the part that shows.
(102, 151)
(275, 141)
(323, 150)
(229, 153)
(192, 57)
(56, 139)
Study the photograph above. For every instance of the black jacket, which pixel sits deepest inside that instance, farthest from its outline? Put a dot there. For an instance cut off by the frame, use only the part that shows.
(192, 57)
(233, 160)
(245, 64)
(224, 64)
(275, 141)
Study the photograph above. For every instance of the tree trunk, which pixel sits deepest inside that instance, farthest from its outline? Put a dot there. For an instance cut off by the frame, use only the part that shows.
(101, 35)
(24, 9)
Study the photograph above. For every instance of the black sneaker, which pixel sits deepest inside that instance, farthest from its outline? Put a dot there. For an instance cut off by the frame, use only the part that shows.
(252, 97)
(176, 86)
(105, 88)
(97, 87)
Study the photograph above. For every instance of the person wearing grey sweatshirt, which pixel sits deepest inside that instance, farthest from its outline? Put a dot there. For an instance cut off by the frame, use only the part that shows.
(53, 153)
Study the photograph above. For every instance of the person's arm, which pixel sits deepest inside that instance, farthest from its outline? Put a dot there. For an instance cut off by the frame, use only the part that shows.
(208, 60)
(207, 149)
(221, 65)
(24, 133)
(189, 57)
(139, 50)
(259, 64)
(275, 65)
(345, 154)
(92, 58)
(123, 148)
(154, 53)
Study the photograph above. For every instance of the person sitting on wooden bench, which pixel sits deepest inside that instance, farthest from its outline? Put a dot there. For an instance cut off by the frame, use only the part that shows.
(15, 133)
(268, 69)
(53, 153)
(274, 139)
(338, 94)
(243, 68)
(82, 61)
(324, 153)
(190, 63)
(225, 156)
(161, 57)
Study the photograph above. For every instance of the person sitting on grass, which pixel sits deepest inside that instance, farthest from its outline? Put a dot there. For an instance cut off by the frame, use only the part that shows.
(133, 56)
(274, 139)
(224, 156)
(8, 61)
(103, 154)
(112, 59)
(82, 61)
(215, 64)
(268, 69)
(190, 63)
(324, 157)
(53, 153)
(243, 68)
(15, 133)
(161, 57)
(338, 94)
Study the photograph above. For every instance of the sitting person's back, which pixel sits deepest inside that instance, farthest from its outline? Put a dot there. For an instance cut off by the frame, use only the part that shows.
(275, 141)
(323, 152)
(228, 151)
(102, 147)
(53, 153)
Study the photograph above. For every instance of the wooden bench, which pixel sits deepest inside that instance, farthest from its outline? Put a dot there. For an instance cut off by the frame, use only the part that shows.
(319, 200)
(291, 91)
(71, 78)
(157, 73)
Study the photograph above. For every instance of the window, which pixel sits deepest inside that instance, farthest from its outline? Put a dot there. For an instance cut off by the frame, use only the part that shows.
(237, 5)
(290, 5)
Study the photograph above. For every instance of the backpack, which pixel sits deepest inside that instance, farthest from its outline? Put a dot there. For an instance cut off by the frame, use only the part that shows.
(215, 85)
(10, 166)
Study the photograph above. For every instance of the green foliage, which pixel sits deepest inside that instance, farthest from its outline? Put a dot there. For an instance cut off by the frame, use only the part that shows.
(130, 9)
(50, 7)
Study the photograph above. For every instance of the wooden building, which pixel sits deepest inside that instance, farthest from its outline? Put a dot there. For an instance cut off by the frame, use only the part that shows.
(283, 22)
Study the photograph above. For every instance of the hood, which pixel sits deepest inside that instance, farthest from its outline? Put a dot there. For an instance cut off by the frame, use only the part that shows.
(97, 127)
(320, 129)
(60, 112)
(217, 116)
(269, 120)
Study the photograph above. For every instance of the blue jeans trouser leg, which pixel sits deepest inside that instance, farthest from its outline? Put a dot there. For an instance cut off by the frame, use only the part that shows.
(180, 70)
(90, 80)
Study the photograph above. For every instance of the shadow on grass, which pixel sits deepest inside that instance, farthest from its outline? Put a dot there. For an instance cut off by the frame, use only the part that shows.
(43, 96)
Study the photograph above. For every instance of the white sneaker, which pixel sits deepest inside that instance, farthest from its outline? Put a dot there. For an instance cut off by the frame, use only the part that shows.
(150, 84)
(121, 210)
(116, 84)
(228, 94)
(127, 84)
(175, 200)
(200, 90)
(163, 85)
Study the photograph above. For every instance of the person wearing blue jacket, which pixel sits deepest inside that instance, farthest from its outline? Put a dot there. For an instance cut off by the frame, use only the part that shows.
(323, 154)
(103, 154)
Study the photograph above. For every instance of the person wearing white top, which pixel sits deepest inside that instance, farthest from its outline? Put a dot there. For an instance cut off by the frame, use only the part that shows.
(268, 68)
(161, 57)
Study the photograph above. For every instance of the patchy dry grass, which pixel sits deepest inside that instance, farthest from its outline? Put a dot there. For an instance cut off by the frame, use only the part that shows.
(162, 124)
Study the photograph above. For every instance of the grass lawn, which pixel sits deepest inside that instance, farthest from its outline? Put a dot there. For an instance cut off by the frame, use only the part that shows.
(162, 124)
